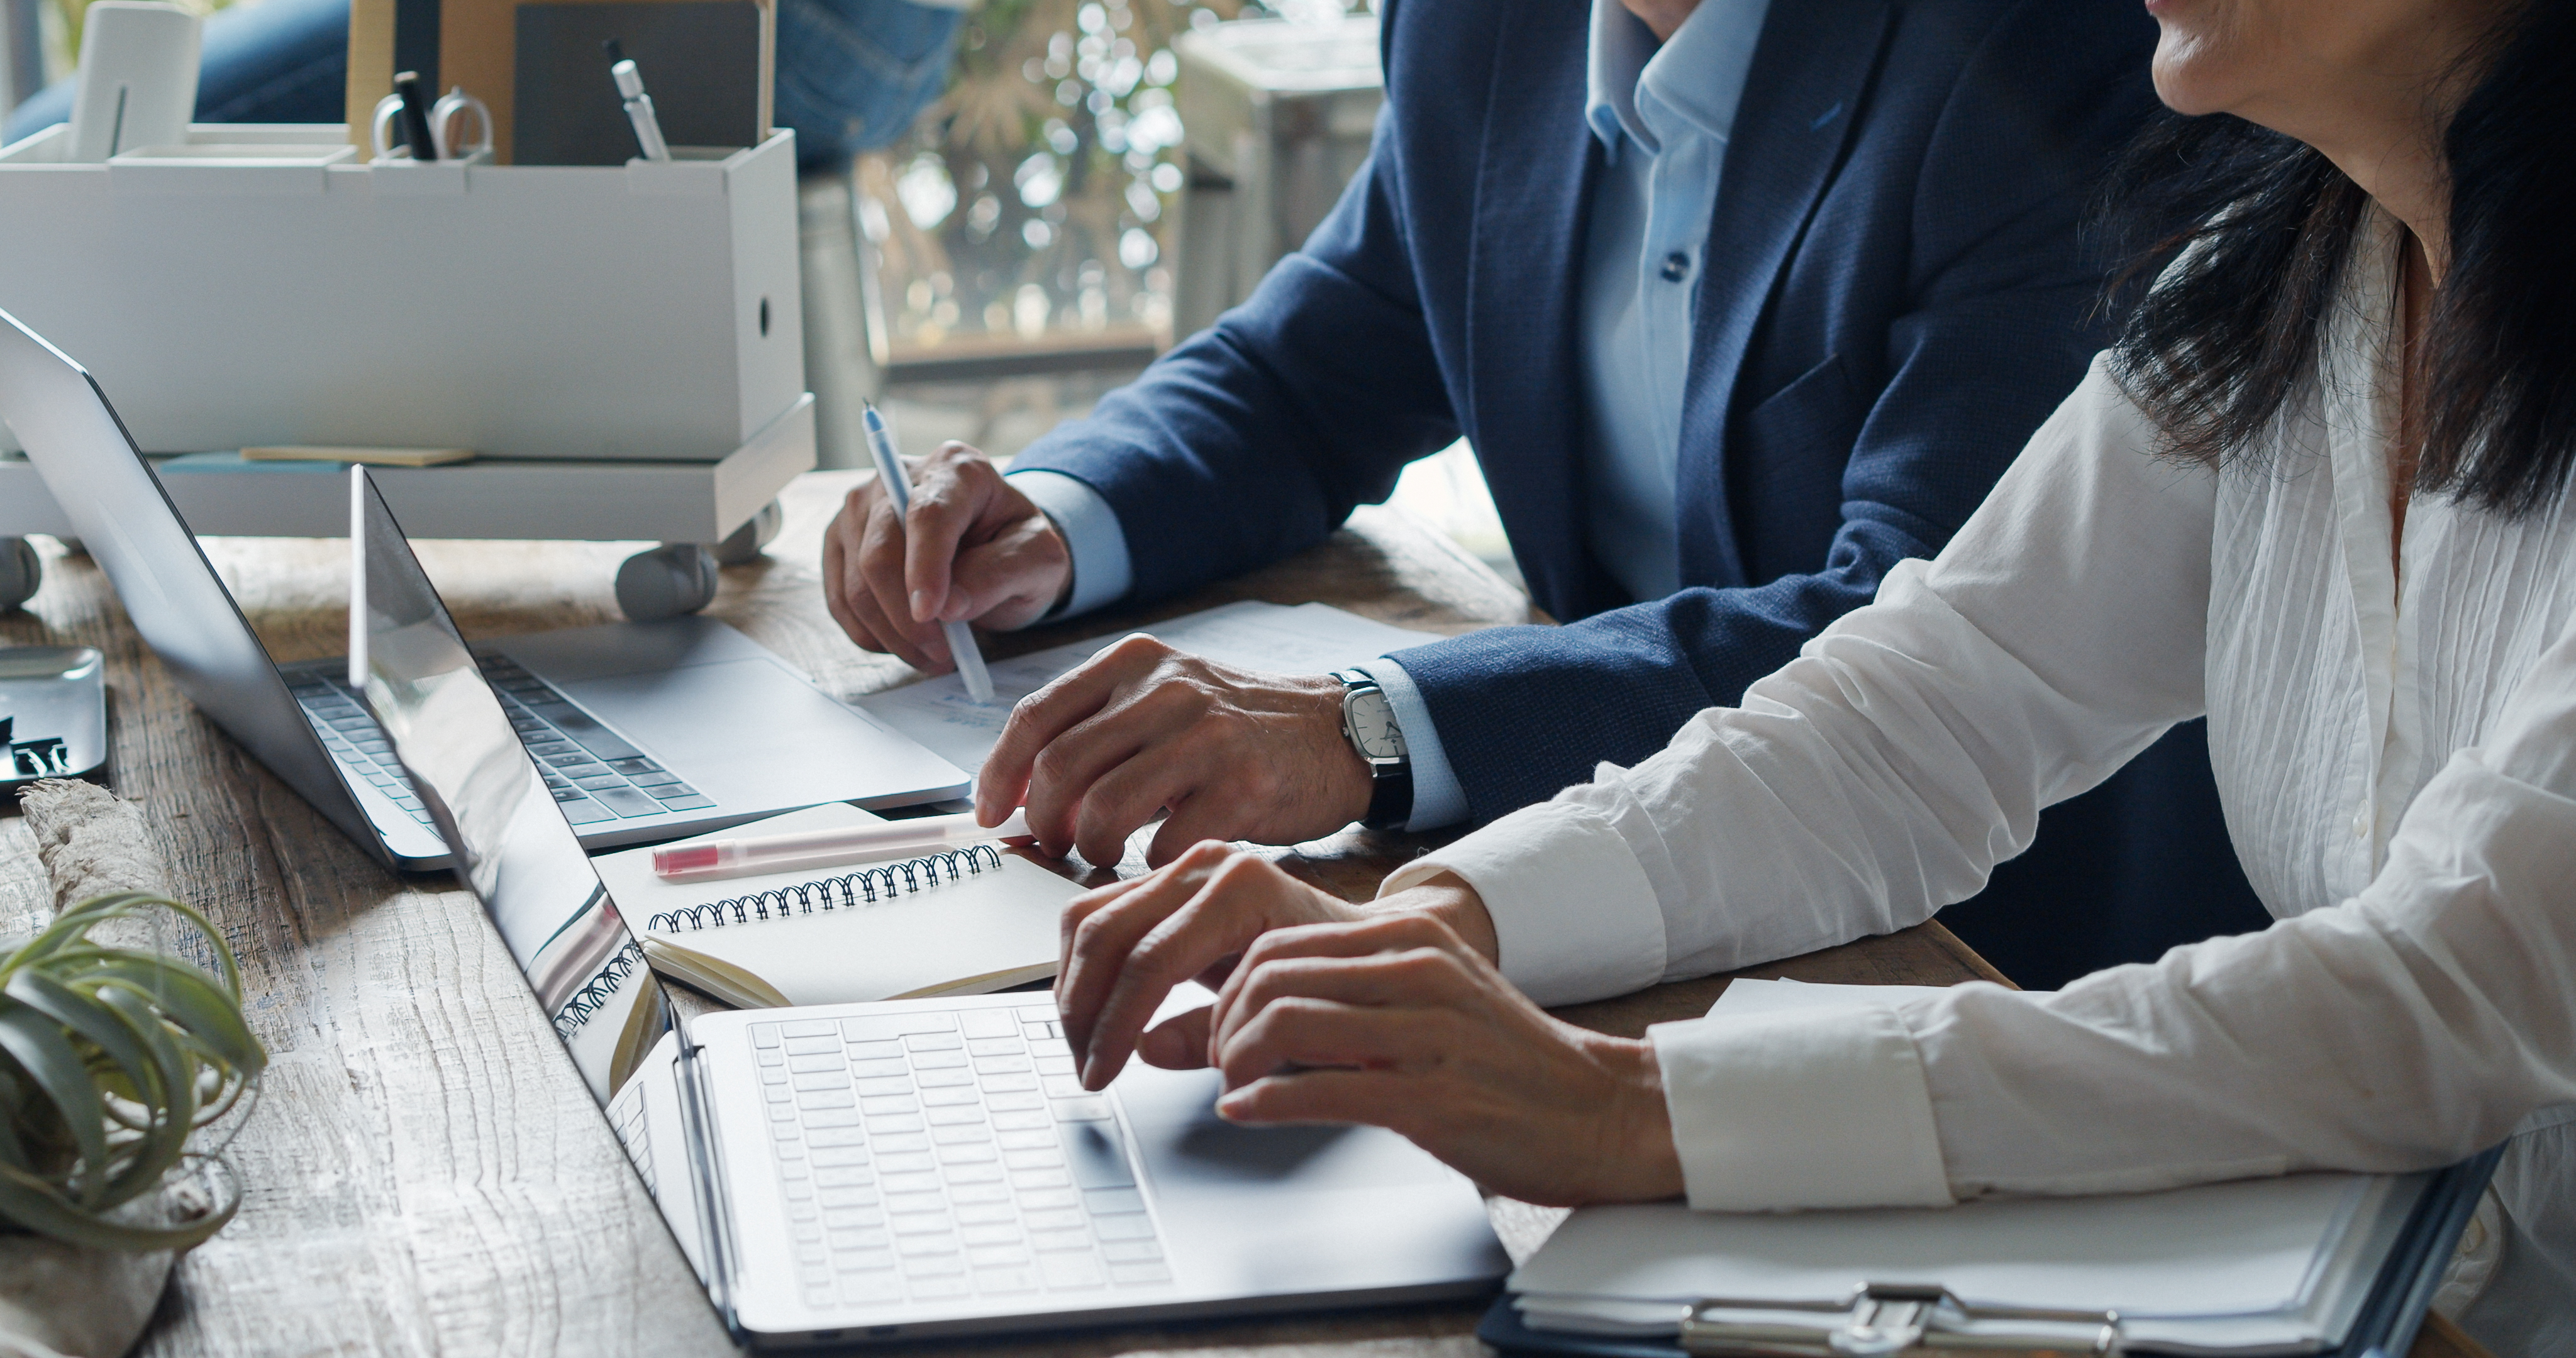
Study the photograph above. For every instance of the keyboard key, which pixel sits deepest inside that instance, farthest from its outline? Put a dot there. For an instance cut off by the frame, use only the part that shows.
(939, 1060)
(652, 777)
(805, 1028)
(844, 1197)
(548, 749)
(1130, 1251)
(875, 1104)
(1049, 1241)
(986, 1214)
(842, 1156)
(945, 1079)
(875, 1027)
(963, 1115)
(841, 1176)
(831, 1117)
(1092, 1109)
(961, 1134)
(880, 1067)
(828, 1098)
(1026, 1141)
(1110, 1202)
(1056, 1219)
(989, 1023)
(876, 1239)
(628, 802)
(925, 1042)
(965, 1195)
(853, 1218)
(1123, 1228)
(635, 768)
(586, 812)
(975, 1174)
(1004, 1064)
(688, 803)
(1130, 1275)
(904, 1141)
(1047, 1197)
(1009, 1083)
(936, 1289)
(870, 1289)
(920, 1250)
(967, 1154)
(948, 1098)
(1004, 1281)
(599, 782)
(1024, 1121)
(991, 1256)
(1070, 1272)
(670, 792)
(835, 1136)
(1047, 1158)
(1097, 1159)
(821, 1079)
(814, 1044)
(806, 1064)
(909, 1180)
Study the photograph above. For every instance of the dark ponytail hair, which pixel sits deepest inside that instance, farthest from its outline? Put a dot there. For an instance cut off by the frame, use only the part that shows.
(2213, 351)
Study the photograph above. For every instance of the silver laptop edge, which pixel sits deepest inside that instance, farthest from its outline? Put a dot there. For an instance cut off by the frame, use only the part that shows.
(1270, 1221)
(670, 672)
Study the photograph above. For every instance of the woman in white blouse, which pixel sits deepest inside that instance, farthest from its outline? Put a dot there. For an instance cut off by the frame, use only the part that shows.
(2320, 493)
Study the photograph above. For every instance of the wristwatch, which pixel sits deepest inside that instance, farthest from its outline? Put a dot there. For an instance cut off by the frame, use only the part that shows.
(1368, 722)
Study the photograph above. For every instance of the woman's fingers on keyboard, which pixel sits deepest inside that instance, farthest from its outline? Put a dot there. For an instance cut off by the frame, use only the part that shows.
(1187, 920)
(1179, 1042)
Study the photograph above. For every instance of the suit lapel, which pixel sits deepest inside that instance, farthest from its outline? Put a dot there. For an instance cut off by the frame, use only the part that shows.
(1534, 176)
(1802, 98)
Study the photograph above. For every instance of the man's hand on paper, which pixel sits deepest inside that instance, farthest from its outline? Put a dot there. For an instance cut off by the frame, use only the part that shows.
(973, 549)
(1390, 1013)
(1142, 728)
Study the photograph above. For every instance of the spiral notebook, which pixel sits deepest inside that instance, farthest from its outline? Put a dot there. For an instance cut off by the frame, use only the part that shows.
(967, 921)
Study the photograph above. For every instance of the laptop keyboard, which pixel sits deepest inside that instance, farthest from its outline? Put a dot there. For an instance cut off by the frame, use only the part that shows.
(939, 1156)
(593, 772)
(354, 738)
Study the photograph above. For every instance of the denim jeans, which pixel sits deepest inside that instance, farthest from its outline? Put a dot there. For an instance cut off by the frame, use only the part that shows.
(852, 74)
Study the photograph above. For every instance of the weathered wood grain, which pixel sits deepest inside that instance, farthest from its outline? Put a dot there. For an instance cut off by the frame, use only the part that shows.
(424, 1172)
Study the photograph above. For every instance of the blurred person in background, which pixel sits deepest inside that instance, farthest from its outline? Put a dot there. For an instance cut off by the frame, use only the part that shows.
(852, 74)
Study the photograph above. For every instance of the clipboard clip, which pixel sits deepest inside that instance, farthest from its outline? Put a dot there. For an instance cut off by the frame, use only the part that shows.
(1890, 1318)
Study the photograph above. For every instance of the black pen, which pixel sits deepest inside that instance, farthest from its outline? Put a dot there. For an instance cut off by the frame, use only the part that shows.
(415, 110)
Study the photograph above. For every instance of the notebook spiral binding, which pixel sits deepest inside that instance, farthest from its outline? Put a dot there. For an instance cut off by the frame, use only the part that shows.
(595, 995)
(848, 892)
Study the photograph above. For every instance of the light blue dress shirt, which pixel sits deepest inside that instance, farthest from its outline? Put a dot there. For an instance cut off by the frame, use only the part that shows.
(1663, 115)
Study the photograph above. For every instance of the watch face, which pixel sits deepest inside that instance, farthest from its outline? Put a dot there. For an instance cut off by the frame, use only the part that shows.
(1372, 725)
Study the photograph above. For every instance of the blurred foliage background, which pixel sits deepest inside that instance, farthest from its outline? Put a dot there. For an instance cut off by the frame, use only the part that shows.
(1036, 196)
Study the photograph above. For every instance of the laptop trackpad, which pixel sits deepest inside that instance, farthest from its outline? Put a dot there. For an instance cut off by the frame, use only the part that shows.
(745, 730)
(1282, 1211)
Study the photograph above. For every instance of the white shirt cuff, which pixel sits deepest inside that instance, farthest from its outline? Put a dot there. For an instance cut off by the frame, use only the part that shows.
(1101, 570)
(1437, 798)
(1573, 913)
(1803, 1108)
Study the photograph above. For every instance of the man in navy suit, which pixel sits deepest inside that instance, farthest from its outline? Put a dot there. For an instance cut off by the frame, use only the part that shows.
(1739, 303)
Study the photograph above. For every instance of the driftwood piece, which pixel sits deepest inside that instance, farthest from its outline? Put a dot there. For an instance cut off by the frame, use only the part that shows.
(92, 842)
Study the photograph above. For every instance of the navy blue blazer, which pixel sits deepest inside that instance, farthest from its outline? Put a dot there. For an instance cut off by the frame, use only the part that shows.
(1895, 298)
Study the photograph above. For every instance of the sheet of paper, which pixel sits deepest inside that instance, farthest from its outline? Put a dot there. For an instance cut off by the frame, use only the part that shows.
(2250, 1264)
(1307, 639)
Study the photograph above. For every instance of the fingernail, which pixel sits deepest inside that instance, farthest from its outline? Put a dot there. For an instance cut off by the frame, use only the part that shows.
(921, 605)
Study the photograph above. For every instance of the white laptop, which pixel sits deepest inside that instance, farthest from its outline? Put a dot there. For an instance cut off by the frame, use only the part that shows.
(647, 730)
(845, 1174)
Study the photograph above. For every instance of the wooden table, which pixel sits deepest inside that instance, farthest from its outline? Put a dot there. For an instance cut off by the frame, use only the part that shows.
(424, 1171)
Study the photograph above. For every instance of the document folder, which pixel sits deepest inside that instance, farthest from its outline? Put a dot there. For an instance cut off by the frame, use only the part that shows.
(1882, 1318)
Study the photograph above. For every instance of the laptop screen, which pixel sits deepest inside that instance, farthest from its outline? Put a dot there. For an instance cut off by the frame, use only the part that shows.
(513, 847)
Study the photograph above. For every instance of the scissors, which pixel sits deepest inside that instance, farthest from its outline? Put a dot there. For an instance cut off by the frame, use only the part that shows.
(454, 109)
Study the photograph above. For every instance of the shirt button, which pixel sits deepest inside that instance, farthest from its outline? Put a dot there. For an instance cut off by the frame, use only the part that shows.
(1676, 267)
(2361, 823)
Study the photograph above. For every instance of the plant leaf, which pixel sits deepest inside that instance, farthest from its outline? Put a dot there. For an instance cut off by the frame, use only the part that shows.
(37, 1044)
(84, 1014)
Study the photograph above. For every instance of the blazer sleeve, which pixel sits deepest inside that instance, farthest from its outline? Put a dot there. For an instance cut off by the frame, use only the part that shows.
(1994, 332)
(1255, 438)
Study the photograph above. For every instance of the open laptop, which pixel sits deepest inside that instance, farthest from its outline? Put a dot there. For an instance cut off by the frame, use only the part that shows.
(849, 1173)
(647, 730)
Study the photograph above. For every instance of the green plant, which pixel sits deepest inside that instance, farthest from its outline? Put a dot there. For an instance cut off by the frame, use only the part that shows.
(110, 1056)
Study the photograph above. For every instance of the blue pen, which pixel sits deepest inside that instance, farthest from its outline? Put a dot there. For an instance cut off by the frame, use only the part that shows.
(961, 639)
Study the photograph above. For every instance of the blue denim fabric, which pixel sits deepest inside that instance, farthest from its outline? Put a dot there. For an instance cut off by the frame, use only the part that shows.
(852, 74)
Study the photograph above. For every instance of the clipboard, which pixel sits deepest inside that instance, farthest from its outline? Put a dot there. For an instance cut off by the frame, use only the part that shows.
(1894, 1318)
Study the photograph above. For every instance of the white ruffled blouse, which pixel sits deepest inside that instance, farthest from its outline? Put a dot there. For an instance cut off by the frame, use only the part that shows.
(2396, 751)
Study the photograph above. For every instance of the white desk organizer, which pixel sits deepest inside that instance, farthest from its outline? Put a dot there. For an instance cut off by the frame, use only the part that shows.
(623, 346)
